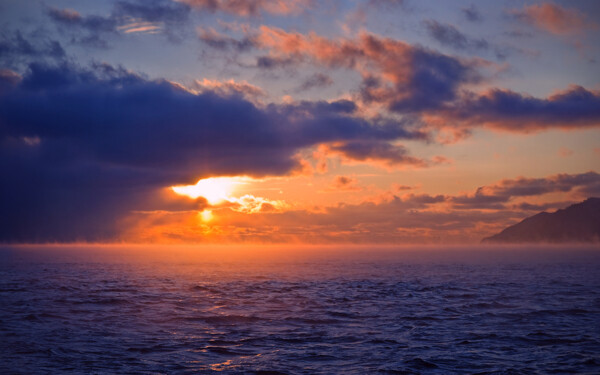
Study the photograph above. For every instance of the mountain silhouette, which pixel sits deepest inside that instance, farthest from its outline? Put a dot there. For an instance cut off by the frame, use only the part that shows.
(577, 223)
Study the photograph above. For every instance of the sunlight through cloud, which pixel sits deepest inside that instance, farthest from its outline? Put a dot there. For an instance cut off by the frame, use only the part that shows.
(221, 190)
(214, 189)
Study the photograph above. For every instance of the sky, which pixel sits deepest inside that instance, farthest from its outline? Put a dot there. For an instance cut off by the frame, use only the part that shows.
(293, 121)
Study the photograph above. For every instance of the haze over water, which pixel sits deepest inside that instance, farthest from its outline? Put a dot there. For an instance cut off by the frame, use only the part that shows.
(299, 310)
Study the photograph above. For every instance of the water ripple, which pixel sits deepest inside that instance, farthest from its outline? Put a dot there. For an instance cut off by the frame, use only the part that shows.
(386, 317)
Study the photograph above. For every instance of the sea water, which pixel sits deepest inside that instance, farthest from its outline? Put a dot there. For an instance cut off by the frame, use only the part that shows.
(299, 310)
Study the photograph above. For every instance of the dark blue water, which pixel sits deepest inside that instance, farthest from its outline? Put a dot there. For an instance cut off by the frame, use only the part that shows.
(298, 311)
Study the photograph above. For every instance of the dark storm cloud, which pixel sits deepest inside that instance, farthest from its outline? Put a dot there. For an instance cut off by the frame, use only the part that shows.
(450, 36)
(82, 147)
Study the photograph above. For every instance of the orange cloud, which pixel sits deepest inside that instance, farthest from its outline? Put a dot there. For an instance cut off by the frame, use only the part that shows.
(555, 19)
(389, 218)
(230, 87)
(344, 183)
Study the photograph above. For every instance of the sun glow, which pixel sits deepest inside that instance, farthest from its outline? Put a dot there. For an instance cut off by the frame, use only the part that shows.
(214, 189)
(206, 215)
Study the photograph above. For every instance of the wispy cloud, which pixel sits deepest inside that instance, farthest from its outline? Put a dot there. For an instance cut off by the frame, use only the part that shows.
(140, 27)
(250, 8)
(449, 35)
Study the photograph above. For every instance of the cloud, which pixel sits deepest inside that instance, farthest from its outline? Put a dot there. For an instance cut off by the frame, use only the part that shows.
(378, 151)
(8, 79)
(72, 18)
(344, 183)
(317, 80)
(540, 207)
(472, 14)
(250, 204)
(407, 219)
(163, 11)
(399, 187)
(127, 17)
(214, 39)
(16, 49)
(494, 196)
(230, 88)
(404, 77)
(387, 2)
(83, 147)
(140, 28)
(554, 19)
(250, 8)
(270, 62)
(86, 30)
(573, 108)
(389, 219)
(450, 36)
(422, 200)
(431, 86)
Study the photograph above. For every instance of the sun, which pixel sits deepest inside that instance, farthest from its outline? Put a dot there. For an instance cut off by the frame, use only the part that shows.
(205, 215)
(214, 189)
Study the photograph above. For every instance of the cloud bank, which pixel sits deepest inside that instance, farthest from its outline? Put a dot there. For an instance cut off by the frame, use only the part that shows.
(84, 146)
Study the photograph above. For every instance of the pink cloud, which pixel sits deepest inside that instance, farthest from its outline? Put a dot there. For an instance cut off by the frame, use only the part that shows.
(555, 19)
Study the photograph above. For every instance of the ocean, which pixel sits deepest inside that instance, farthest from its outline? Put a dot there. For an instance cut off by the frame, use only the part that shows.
(299, 310)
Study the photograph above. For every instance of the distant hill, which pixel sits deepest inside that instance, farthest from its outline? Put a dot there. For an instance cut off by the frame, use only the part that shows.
(577, 223)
